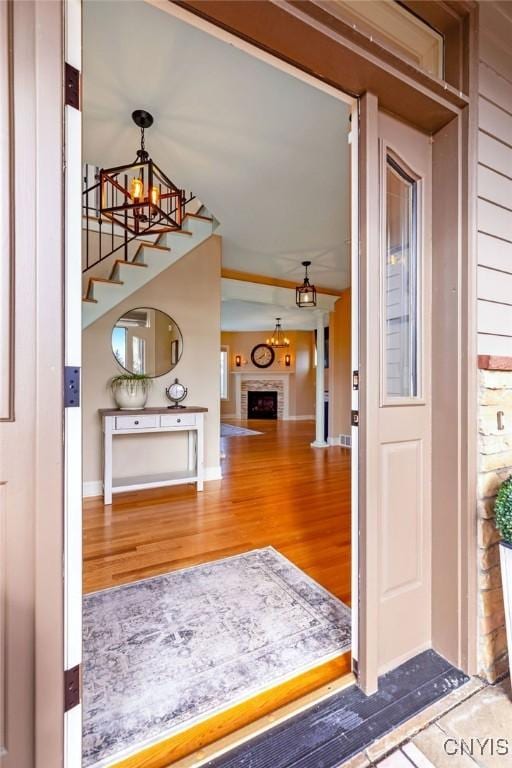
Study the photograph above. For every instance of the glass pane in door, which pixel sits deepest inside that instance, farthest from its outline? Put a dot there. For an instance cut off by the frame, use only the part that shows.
(400, 284)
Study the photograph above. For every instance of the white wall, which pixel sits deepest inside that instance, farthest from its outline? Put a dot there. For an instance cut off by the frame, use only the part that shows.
(495, 182)
(189, 291)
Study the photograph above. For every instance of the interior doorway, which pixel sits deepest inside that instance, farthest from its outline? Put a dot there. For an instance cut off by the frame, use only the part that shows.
(271, 502)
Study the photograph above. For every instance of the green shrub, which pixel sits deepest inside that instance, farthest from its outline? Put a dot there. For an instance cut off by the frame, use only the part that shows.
(503, 510)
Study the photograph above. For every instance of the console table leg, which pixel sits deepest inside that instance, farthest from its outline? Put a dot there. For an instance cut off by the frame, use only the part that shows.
(191, 451)
(200, 457)
(107, 471)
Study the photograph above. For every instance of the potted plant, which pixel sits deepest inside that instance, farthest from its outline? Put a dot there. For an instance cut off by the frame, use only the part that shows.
(130, 390)
(503, 510)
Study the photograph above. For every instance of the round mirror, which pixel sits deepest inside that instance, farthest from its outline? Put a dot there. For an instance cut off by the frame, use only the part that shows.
(148, 341)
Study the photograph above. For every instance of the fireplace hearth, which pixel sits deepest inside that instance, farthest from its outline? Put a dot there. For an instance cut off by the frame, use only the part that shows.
(261, 405)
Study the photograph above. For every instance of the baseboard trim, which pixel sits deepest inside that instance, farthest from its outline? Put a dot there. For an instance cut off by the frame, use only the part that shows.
(345, 441)
(94, 488)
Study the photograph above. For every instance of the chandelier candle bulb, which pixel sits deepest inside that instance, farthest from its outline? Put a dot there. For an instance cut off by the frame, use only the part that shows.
(155, 195)
(137, 189)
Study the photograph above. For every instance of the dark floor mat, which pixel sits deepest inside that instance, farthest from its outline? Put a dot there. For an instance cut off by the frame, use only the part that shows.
(329, 733)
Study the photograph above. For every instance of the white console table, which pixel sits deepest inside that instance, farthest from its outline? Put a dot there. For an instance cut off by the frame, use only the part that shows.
(149, 420)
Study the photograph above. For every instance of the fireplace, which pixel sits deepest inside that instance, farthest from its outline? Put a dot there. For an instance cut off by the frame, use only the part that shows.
(261, 405)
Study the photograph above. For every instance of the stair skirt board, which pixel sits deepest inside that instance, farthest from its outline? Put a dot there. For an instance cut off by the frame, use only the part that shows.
(165, 653)
(338, 728)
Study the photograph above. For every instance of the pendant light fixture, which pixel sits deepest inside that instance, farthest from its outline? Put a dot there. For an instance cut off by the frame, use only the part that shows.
(305, 294)
(278, 340)
(139, 196)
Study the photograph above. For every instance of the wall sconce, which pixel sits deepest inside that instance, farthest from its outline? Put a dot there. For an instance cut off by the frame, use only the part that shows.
(287, 360)
(238, 360)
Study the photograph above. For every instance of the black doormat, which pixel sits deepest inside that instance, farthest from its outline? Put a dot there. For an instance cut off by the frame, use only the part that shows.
(334, 730)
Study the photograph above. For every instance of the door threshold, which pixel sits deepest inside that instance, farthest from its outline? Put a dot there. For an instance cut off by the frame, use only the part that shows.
(244, 721)
(350, 723)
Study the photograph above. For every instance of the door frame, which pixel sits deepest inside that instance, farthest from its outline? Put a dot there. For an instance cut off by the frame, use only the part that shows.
(332, 57)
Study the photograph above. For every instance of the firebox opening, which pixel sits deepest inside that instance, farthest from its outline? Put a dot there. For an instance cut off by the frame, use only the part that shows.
(262, 405)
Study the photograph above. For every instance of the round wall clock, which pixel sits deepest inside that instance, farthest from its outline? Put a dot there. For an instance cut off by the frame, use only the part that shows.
(262, 355)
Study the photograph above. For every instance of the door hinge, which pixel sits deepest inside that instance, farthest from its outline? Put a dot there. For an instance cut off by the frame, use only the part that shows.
(71, 688)
(355, 419)
(72, 87)
(355, 380)
(355, 667)
(71, 386)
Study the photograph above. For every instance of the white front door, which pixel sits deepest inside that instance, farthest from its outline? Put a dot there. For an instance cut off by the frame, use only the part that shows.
(395, 416)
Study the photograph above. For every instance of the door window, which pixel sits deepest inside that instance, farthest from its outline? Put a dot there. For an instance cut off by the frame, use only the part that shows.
(401, 272)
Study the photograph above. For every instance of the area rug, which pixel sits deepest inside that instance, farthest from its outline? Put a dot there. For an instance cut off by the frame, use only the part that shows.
(162, 653)
(229, 430)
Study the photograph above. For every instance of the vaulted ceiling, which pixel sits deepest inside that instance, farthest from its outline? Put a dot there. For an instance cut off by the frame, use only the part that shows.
(267, 153)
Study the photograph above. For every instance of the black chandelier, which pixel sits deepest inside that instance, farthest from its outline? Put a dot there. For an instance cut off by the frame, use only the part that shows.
(139, 196)
(278, 340)
(305, 294)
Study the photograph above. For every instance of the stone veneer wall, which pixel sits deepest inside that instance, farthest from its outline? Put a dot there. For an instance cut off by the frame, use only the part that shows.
(262, 385)
(495, 464)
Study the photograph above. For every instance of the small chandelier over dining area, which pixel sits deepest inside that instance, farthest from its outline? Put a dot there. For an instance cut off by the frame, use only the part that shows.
(278, 340)
(305, 294)
(139, 196)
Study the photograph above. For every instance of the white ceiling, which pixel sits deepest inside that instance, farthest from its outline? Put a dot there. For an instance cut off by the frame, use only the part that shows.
(254, 307)
(250, 316)
(267, 153)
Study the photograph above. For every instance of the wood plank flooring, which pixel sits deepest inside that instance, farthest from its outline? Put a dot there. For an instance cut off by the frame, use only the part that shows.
(276, 491)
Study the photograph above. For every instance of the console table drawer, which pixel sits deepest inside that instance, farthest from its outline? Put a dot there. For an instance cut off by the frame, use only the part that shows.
(178, 420)
(137, 422)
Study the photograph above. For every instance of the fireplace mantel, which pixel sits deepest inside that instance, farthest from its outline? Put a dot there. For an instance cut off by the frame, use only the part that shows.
(281, 381)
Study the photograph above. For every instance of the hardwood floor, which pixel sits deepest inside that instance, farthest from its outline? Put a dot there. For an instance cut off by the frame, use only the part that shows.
(276, 490)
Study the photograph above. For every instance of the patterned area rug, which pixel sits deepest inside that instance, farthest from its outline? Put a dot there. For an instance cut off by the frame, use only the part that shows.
(229, 430)
(162, 653)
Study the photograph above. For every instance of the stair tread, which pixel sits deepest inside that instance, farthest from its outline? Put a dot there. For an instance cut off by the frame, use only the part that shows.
(199, 216)
(122, 262)
(105, 280)
(130, 263)
(155, 245)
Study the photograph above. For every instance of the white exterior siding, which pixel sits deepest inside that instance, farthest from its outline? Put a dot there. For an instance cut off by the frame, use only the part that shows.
(495, 182)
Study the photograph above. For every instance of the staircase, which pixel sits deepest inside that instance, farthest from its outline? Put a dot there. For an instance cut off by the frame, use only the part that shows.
(129, 265)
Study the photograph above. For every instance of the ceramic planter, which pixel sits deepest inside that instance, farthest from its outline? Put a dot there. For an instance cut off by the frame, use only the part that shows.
(506, 578)
(131, 395)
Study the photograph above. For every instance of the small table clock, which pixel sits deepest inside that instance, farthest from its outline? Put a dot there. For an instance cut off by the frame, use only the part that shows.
(176, 392)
